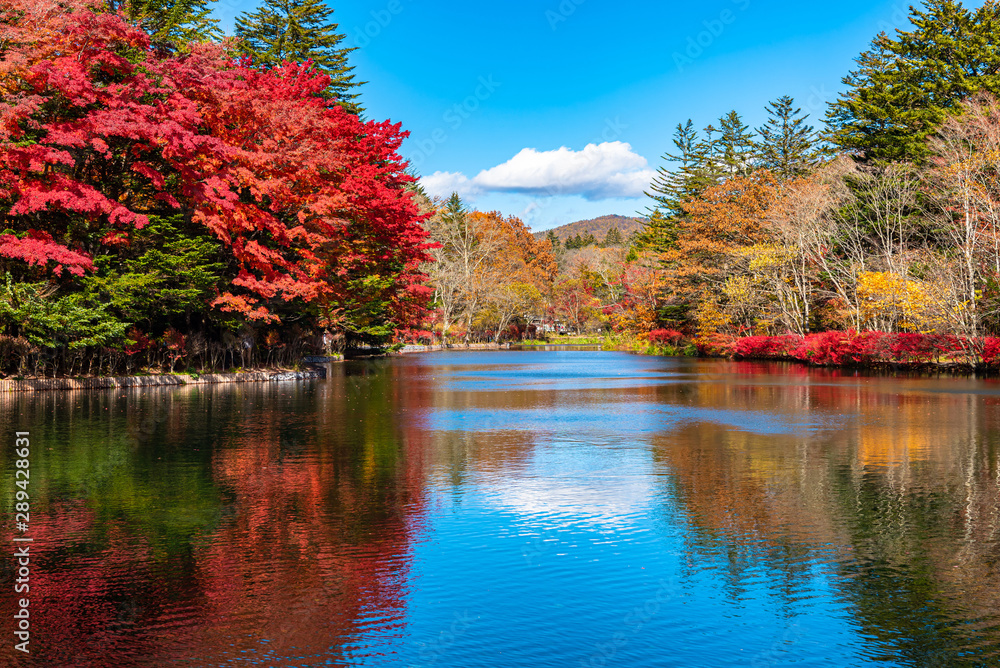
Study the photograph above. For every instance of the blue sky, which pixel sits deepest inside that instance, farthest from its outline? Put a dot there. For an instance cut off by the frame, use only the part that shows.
(502, 99)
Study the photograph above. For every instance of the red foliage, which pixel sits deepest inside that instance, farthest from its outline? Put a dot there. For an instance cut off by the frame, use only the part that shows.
(766, 347)
(665, 336)
(991, 350)
(306, 197)
(38, 249)
(858, 348)
(908, 347)
(716, 345)
(142, 342)
(414, 336)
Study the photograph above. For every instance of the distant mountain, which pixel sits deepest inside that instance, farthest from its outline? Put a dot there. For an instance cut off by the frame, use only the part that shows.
(597, 226)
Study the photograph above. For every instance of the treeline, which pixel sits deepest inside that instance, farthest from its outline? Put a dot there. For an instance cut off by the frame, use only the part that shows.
(170, 201)
(494, 281)
(613, 237)
(886, 219)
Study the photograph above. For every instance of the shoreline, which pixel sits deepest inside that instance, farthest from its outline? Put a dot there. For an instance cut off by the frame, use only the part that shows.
(315, 367)
(164, 380)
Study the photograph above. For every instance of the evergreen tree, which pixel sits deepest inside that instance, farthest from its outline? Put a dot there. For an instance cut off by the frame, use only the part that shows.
(788, 147)
(670, 187)
(736, 145)
(700, 163)
(659, 234)
(613, 237)
(454, 212)
(553, 239)
(904, 87)
(708, 164)
(172, 23)
(297, 31)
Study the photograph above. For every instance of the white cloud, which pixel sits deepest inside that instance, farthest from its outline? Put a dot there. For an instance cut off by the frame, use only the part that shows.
(599, 171)
(443, 184)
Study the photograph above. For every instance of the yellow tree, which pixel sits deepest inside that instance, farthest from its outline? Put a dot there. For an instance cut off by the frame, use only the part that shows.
(511, 281)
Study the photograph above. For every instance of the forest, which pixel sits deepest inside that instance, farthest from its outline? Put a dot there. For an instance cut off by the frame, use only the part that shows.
(874, 238)
(175, 200)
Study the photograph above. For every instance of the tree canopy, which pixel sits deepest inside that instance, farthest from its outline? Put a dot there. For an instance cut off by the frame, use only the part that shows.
(300, 31)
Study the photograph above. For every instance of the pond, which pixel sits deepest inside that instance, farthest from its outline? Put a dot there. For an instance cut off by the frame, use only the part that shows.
(513, 508)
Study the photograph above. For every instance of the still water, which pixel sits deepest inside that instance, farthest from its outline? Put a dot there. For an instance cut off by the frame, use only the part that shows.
(535, 508)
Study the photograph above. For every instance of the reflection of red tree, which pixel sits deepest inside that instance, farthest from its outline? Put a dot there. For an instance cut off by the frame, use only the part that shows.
(313, 551)
(311, 548)
(83, 607)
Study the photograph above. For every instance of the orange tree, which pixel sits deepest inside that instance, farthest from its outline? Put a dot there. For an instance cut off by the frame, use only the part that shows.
(715, 226)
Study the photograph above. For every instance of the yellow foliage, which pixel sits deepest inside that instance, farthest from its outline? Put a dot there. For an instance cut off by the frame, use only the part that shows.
(741, 290)
(642, 318)
(710, 318)
(888, 301)
(766, 258)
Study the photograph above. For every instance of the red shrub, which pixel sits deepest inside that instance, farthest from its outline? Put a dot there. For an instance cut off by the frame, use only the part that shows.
(908, 347)
(767, 347)
(850, 347)
(824, 348)
(715, 345)
(991, 350)
(665, 336)
(866, 347)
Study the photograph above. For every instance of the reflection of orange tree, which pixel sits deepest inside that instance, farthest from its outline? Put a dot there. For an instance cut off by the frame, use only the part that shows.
(905, 494)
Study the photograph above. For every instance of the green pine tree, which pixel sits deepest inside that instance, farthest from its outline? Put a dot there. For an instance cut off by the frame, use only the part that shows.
(613, 237)
(172, 23)
(659, 234)
(904, 87)
(700, 162)
(736, 145)
(553, 239)
(788, 146)
(671, 187)
(297, 31)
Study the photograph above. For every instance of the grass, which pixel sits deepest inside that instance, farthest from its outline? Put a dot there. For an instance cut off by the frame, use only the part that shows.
(564, 341)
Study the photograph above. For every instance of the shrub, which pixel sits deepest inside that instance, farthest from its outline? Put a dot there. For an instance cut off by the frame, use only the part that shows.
(908, 347)
(767, 347)
(715, 345)
(665, 336)
(991, 350)
(823, 348)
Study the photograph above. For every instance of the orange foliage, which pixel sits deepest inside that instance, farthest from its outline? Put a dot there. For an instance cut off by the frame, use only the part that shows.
(715, 226)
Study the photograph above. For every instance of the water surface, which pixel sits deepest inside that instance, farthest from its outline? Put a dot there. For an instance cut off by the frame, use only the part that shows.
(515, 508)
